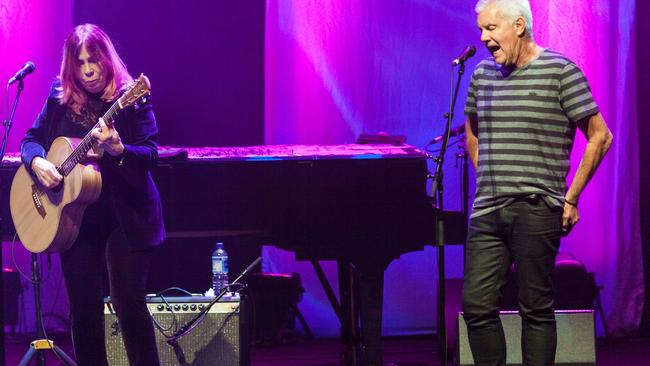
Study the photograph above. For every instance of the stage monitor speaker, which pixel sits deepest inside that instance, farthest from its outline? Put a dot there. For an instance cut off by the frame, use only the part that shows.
(221, 338)
(575, 338)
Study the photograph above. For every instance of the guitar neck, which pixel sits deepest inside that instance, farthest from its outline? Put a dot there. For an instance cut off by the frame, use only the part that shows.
(79, 152)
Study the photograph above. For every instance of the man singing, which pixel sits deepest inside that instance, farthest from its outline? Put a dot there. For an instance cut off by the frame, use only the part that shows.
(523, 108)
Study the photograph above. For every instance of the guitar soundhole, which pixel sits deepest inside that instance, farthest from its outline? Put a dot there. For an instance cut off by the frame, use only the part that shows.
(58, 188)
(55, 194)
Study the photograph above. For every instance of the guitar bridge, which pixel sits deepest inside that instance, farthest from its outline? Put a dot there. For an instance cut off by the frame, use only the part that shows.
(36, 198)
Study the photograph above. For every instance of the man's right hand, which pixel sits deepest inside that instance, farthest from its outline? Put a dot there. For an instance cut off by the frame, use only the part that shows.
(46, 172)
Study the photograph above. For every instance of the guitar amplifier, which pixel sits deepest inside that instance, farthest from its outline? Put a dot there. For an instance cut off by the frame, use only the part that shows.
(219, 339)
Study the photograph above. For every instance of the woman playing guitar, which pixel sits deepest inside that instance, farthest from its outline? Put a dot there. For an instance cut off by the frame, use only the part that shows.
(121, 229)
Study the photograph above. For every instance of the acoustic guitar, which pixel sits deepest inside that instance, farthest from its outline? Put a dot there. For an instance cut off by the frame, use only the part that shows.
(48, 220)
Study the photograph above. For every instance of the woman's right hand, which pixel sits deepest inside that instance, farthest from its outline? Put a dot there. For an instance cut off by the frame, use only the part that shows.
(46, 172)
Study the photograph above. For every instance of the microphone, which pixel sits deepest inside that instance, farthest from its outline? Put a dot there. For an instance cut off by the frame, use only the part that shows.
(468, 52)
(27, 69)
(460, 129)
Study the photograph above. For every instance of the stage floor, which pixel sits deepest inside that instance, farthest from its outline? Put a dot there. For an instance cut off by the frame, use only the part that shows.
(401, 351)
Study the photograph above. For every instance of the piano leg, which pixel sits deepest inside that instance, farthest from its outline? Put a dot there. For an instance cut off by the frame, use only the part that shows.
(371, 287)
(349, 314)
(361, 302)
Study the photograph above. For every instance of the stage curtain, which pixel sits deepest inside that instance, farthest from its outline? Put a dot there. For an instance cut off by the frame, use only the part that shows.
(599, 36)
(335, 69)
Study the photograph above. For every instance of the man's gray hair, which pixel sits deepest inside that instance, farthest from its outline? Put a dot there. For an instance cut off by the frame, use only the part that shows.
(511, 9)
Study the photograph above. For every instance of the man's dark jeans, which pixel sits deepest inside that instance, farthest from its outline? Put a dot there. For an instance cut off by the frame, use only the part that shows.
(526, 232)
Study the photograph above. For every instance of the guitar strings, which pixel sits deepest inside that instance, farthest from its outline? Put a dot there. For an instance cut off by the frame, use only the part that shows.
(86, 143)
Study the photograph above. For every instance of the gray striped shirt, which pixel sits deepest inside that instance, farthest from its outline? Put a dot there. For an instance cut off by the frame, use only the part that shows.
(526, 126)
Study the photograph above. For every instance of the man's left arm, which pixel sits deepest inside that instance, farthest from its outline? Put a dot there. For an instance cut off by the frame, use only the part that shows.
(599, 139)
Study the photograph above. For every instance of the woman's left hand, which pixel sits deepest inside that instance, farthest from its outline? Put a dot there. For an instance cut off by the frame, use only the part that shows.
(108, 139)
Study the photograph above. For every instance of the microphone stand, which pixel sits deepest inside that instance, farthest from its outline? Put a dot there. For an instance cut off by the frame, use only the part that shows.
(436, 197)
(7, 123)
(41, 343)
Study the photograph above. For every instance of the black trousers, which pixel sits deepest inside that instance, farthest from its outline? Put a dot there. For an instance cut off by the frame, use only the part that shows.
(102, 246)
(527, 232)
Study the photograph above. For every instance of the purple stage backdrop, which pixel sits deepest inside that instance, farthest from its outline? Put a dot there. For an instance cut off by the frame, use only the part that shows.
(335, 69)
(205, 60)
(32, 30)
(600, 37)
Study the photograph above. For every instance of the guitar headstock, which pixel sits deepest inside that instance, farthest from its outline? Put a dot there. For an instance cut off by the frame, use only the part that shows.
(140, 87)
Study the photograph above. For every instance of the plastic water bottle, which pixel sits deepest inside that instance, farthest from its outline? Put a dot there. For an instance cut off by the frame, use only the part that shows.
(219, 269)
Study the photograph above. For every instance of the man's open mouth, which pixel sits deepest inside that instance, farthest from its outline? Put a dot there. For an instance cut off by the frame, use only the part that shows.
(493, 49)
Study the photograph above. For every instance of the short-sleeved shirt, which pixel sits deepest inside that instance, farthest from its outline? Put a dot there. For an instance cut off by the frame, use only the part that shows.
(526, 128)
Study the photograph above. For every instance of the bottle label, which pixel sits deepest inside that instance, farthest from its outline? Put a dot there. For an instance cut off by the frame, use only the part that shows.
(219, 266)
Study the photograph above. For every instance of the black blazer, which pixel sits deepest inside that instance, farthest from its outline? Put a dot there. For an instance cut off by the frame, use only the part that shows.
(134, 196)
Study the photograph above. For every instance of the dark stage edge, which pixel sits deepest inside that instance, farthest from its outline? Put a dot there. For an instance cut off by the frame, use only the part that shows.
(401, 351)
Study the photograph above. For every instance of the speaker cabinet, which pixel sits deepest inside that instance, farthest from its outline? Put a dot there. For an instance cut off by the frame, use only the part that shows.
(219, 339)
(575, 338)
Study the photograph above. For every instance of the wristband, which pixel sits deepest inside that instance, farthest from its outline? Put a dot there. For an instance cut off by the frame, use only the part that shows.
(574, 204)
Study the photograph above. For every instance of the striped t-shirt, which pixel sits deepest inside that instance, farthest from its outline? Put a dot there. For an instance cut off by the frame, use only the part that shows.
(526, 126)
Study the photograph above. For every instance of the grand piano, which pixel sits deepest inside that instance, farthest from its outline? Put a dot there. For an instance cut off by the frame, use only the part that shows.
(362, 205)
